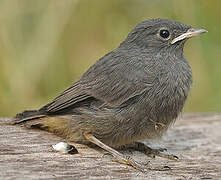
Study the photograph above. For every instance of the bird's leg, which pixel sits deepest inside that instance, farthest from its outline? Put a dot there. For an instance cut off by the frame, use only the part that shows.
(152, 152)
(119, 157)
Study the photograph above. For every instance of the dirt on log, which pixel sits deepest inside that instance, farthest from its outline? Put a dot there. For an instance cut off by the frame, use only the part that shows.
(195, 138)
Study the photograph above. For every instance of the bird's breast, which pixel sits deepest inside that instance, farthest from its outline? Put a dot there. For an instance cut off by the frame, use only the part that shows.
(165, 99)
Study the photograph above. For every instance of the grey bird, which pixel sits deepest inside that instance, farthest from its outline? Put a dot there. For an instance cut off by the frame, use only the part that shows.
(133, 93)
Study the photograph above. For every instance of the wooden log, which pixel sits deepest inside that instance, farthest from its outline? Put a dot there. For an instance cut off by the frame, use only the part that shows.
(195, 138)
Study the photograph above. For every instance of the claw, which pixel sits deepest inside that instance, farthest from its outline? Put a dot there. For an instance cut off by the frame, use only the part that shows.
(154, 152)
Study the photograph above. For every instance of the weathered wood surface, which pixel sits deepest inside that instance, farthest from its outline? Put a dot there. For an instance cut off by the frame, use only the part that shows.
(196, 139)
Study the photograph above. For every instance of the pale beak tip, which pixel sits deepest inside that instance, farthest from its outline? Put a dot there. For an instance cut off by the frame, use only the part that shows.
(202, 31)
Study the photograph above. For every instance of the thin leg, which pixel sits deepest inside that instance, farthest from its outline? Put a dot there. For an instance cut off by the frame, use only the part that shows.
(153, 152)
(120, 157)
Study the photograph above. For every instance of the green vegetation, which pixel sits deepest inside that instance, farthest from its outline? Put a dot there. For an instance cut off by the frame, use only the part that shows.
(45, 45)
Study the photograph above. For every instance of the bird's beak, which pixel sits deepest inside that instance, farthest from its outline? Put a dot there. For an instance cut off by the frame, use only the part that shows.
(190, 33)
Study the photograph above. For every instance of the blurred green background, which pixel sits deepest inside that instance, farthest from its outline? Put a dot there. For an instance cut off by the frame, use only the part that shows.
(46, 45)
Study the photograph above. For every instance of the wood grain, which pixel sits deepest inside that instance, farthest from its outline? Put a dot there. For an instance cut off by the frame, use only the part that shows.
(195, 138)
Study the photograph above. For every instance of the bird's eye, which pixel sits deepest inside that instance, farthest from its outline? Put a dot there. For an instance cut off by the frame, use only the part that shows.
(164, 33)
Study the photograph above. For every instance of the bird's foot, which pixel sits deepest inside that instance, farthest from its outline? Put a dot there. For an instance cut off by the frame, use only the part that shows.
(143, 168)
(154, 152)
(127, 160)
(121, 158)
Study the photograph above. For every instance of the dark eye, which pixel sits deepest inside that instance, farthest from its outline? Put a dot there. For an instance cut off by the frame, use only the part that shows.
(164, 33)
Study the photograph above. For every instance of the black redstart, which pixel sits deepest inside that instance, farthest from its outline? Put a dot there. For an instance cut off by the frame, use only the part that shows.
(133, 93)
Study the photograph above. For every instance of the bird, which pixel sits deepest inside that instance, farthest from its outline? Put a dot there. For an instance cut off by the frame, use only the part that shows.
(133, 93)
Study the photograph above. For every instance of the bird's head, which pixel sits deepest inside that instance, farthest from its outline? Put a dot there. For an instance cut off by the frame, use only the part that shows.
(156, 34)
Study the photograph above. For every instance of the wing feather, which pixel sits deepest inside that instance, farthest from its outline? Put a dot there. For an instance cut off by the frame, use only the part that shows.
(113, 80)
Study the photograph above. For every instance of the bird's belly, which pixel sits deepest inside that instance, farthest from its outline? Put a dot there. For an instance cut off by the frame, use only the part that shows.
(156, 111)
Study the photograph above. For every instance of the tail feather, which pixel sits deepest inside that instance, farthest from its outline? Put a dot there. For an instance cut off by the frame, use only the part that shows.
(27, 116)
(59, 125)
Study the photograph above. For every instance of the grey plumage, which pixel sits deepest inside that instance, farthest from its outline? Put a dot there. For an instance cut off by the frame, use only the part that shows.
(133, 93)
